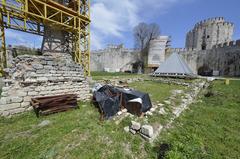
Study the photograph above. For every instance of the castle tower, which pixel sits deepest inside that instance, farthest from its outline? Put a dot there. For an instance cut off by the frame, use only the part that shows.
(157, 51)
(208, 33)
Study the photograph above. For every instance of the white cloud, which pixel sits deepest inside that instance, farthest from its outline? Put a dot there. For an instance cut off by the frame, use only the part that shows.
(19, 38)
(111, 18)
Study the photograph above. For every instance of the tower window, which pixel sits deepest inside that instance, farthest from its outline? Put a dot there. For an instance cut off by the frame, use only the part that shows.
(208, 37)
(204, 47)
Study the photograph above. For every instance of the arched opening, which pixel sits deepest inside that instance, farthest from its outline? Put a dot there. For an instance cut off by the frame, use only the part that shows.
(205, 71)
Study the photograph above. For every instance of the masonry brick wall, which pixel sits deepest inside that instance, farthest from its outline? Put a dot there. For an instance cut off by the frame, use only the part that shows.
(35, 76)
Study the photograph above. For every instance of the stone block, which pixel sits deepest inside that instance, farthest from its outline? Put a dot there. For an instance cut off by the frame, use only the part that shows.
(29, 108)
(4, 89)
(46, 58)
(42, 79)
(49, 67)
(42, 71)
(33, 93)
(147, 130)
(5, 113)
(43, 62)
(133, 131)
(37, 66)
(50, 63)
(25, 104)
(145, 137)
(3, 101)
(16, 99)
(16, 111)
(21, 93)
(44, 123)
(135, 125)
(9, 106)
(27, 99)
(126, 129)
(4, 94)
(167, 102)
(30, 80)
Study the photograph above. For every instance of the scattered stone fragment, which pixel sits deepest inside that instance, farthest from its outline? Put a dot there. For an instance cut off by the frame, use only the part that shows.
(135, 125)
(126, 129)
(119, 113)
(162, 111)
(149, 113)
(145, 137)
(133, 131)
(124, 110)
(44, 123)
(160, 104)
(147, 130)
(152, 109)
(167, 102)
(177, 92)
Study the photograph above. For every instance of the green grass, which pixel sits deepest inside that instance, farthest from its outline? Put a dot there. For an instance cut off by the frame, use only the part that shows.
(210, 129)
(156, 90)
(74, 134)
(109, 75)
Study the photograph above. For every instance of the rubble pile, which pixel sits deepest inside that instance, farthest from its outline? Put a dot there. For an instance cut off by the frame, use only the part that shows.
(37, 76)
(146, 131)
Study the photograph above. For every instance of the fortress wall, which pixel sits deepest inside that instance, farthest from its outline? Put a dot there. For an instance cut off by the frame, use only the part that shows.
(113, 59)
(224, 57)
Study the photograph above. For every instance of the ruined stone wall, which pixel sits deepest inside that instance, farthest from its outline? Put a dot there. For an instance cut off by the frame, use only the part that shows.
(35, 76)
(113, 59)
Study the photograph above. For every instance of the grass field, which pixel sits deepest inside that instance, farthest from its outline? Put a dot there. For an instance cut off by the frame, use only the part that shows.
(74, 134)
(210, 129)
(109, 75)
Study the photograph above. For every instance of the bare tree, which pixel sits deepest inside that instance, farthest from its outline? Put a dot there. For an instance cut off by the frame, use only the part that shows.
(143, 34)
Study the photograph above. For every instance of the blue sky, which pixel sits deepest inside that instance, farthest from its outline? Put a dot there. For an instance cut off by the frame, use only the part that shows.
(113, 20)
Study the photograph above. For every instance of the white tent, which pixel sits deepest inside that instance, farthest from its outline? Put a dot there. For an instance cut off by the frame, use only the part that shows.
(174, 66)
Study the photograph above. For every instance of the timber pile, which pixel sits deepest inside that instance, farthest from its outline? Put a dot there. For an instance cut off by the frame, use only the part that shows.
(54, 104)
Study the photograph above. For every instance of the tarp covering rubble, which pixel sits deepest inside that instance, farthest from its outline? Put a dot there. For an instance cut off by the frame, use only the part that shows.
(111, 100)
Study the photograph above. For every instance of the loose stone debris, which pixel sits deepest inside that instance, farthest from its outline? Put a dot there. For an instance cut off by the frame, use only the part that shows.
(44, 123)
(150, 133)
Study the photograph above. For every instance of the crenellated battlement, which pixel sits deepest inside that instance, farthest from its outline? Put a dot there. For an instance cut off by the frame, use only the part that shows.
(181, 49)
(112, 47)
(228, 44)
(210, 31)
(211, 21)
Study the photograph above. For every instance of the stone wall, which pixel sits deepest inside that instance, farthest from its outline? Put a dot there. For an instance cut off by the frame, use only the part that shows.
(223, 58)
(35, 76)
(114, 58)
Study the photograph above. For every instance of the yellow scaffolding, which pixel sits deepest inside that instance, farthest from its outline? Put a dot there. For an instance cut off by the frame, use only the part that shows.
(71, 16)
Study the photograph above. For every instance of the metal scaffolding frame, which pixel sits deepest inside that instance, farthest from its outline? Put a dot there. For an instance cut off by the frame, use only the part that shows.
(31, 16)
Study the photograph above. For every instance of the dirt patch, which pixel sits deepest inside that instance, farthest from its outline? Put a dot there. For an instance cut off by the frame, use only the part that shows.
(163, 149)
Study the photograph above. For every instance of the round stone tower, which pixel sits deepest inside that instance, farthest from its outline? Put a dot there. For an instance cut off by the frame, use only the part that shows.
(208, 33)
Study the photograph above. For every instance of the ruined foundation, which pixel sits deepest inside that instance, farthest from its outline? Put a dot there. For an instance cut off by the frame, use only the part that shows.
(36, 76)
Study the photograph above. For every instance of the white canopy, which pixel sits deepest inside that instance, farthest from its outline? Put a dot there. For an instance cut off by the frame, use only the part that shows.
(175, 65)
